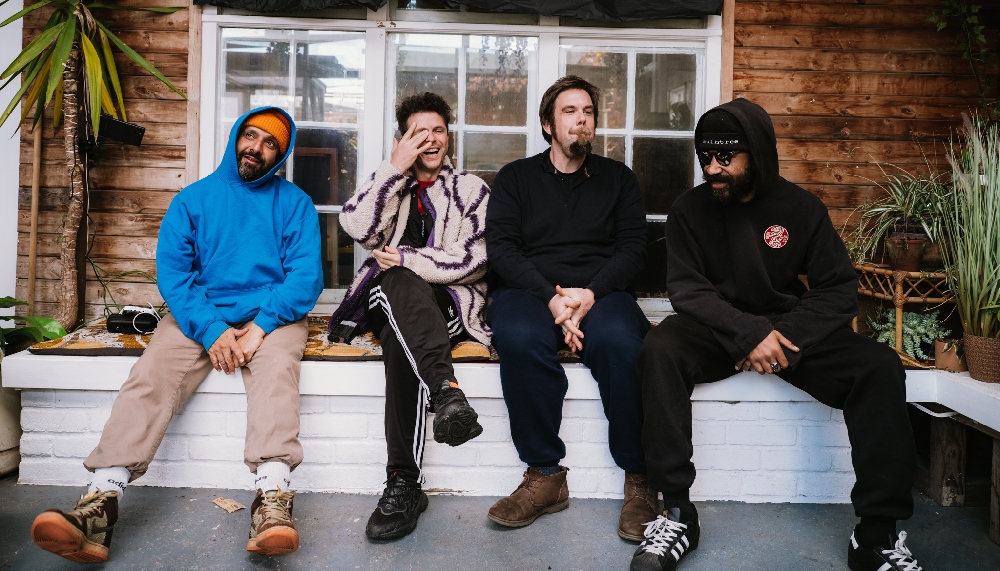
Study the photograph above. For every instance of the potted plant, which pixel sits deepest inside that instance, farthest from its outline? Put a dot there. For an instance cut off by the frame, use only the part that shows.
(37, 329)
(949, 355)
(970, 245)
(920, 330)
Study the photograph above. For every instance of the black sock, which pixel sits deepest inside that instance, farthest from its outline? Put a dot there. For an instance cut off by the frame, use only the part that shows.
(875, 532)
(547, 470)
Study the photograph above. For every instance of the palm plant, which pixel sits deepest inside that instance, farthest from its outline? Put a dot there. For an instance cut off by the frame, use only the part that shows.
(970, 223)
(51, 64)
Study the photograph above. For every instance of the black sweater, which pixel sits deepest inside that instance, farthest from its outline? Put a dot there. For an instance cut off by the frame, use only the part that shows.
(540, 234)
(735, 269)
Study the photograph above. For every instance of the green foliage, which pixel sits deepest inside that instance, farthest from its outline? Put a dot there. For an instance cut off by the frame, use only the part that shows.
(970, 225)
(918, 329)
(37, 328)
(43, 60)
(975, 48)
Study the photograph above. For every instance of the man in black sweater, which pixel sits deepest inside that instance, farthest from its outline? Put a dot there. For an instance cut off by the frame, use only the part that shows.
(735, 248)
(565, 236)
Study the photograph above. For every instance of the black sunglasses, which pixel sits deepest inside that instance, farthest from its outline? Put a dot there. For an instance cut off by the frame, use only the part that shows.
(721, 157)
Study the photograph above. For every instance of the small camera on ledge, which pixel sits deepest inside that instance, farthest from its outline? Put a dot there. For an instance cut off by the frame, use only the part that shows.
(134, 320)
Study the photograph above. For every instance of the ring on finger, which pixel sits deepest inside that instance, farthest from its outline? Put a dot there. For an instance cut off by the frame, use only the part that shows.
(775, 367)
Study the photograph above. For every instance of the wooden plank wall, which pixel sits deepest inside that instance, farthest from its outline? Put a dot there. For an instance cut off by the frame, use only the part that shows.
(130, 186)
(850, 82)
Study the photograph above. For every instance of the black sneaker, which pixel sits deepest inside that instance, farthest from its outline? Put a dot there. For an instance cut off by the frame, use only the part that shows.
(398, 510)
(898, 558)
(83, 534)
(455, 421)
(666, 542)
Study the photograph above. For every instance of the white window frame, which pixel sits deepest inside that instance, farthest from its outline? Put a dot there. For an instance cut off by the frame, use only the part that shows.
(372, 133)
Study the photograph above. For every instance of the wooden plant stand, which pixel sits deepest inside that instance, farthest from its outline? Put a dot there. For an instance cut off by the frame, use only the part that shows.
(881, 282)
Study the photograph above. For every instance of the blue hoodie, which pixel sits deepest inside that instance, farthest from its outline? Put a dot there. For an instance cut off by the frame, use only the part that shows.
(230, 251)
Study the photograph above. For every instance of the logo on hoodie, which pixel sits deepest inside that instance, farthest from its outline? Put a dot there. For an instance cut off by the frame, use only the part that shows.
(776, 236)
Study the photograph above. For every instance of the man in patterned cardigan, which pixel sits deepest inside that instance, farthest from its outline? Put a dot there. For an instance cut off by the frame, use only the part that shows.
(421, 291)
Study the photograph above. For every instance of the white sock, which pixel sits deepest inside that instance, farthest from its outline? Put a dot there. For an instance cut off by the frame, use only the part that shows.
(273, 476)
(109, 479)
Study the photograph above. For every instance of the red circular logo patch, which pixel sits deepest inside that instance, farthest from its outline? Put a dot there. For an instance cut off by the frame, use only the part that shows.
(776, 236)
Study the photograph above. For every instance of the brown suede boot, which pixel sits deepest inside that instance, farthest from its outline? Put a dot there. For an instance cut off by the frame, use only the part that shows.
(536, 495)
(638, 509)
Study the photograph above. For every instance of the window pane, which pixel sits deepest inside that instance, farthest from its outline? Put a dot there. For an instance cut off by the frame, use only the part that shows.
(337, 250)
(652, 281)
(326, 164)
(665, 169)
(607, 70)
(426, 62)
(329, 80)
(256, 74)
(612, 147)
(665, 91)
(485, 153)
(497, 79)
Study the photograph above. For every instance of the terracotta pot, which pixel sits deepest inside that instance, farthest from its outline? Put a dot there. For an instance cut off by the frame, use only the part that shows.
(946, 356)
(905, 253)
(983, 357)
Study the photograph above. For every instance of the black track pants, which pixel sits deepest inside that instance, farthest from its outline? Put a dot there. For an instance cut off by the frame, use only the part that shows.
(416, 325)
(846, 371)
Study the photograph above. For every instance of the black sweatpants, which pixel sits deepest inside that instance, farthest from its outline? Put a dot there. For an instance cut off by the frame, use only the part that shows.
(845, 371)
(417, 324)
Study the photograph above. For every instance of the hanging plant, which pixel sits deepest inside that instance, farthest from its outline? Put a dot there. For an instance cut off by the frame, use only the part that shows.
(919, 330)
(73, 46)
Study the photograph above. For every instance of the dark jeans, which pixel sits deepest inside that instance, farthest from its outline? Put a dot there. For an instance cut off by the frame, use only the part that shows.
(412, 321)
(845, 371)
(534, 383)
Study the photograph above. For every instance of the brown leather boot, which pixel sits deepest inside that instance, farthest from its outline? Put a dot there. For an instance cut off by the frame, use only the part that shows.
(638, 509)
(537, 495)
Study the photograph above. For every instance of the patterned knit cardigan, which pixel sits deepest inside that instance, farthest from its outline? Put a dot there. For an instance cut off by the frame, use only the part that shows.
(455, 255)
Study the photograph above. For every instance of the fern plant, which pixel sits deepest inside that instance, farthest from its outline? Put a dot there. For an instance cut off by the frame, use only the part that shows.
(918, 329)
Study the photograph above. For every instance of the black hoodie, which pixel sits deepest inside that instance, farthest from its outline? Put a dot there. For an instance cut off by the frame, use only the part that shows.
(735, 268)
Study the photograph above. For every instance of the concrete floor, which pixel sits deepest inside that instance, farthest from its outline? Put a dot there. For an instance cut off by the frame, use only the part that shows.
(180, 529)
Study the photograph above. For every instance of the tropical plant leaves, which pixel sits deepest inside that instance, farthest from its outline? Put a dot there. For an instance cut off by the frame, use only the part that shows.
(7, 302)
(134, 56)
(24, 12)
(31, 52)
(95, 81)
(67, 35)
(112, 72)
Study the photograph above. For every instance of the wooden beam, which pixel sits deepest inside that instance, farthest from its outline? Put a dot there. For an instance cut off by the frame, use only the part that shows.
(193, 94)
(995, 494)
(946, 485)
(728, 29)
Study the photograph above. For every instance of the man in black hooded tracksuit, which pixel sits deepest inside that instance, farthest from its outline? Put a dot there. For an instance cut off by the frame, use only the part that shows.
(735, 248)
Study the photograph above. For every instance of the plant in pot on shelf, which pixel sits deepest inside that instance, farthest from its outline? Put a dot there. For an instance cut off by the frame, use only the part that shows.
(902, 217)
(920, 330)
(970, 244)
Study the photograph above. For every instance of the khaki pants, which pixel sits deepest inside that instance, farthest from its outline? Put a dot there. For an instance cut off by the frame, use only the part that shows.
(171, 369)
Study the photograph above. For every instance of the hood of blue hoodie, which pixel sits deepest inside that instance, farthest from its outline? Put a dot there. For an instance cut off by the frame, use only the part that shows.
(229, 168)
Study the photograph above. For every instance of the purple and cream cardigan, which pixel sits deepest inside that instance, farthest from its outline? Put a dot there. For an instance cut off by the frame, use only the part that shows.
(455, 254)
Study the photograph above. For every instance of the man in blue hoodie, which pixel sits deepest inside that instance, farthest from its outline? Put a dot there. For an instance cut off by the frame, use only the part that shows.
(238, 263)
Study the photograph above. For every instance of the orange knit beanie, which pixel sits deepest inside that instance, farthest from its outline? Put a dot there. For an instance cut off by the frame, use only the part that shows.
(275, 123)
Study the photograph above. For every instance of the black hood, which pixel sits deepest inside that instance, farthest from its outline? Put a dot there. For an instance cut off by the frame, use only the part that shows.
(763, 143)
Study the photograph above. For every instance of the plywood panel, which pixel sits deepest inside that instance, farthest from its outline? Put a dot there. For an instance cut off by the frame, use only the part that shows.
(842, 38)
(103, 223)
(855, 83)
(123, 201)
(823, 14)
(837, 60)
(867, 105)
(138, 247)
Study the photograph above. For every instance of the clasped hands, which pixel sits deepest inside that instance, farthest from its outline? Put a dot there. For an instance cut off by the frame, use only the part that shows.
(768, 357)
(235, 347)
(569, 306)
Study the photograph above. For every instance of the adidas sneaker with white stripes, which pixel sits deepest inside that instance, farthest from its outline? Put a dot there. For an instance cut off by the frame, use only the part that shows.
(667, 541)
(899, 558)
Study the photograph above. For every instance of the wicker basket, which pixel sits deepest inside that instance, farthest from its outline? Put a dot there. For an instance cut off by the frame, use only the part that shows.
(983, 357)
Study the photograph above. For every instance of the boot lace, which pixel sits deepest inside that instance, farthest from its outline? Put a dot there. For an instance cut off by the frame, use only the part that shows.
(89, 505)
(397, 494)
(662, 534)
(901, 556)
(275, 507)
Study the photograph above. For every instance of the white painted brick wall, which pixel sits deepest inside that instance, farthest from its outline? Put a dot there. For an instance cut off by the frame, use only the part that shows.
(746, 451)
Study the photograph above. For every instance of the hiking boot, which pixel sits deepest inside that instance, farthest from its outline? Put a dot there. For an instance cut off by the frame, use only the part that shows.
(271, 529)
(398, 509)
(638, 509)
(882, 557)
(83, 534)
(536, 495)
(666, 542)
(455, 422)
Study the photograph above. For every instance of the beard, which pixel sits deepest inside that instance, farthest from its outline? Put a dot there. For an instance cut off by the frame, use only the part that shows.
(250, 173)
(738, 186)
(582, 143)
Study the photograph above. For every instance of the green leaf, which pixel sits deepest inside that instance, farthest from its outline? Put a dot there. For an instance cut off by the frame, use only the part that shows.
(109, 58)
(25, 332)
(64, 44)
(17, 96)
(134, 56)
(8, 301)
(37, 87)
(95, 81)
(48, 327)
(24, 12)
(29, 53)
